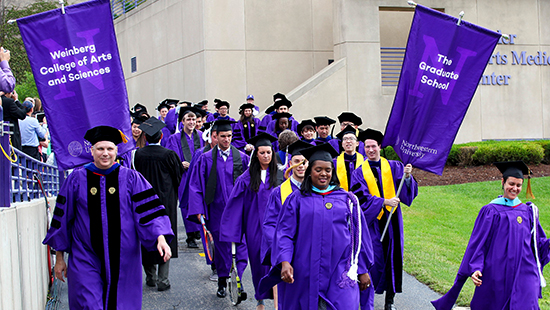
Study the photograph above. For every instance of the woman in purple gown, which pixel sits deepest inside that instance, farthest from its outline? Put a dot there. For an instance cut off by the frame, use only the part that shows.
(506, 253)
(245, 208)
(321, 245)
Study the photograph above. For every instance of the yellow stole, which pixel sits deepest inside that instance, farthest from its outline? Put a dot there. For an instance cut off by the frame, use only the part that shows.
(341, 171)
(286, 189)
(387, 182)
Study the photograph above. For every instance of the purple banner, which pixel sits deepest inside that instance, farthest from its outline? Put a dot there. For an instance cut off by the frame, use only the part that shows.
(76, 65)
(441, 70)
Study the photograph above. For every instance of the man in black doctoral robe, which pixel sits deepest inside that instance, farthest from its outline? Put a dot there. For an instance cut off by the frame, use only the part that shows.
(163, 169)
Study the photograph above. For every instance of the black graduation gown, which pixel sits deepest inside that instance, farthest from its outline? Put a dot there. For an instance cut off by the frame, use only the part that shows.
(163, 169)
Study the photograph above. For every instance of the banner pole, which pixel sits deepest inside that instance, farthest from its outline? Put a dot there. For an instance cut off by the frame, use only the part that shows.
(393, 208)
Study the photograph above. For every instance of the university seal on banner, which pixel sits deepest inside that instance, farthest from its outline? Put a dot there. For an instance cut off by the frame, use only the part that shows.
(75, 148)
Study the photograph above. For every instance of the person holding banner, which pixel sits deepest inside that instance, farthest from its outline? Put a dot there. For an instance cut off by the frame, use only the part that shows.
(375, 184)
(103, 213)
(507, 251)
(349, 159)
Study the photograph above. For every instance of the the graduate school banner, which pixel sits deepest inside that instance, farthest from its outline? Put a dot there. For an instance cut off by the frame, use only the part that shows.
(76, 65)
(442, 67)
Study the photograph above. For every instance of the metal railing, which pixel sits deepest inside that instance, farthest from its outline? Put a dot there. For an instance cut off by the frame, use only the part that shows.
(391, 61)
(120, 7)
(24, 179)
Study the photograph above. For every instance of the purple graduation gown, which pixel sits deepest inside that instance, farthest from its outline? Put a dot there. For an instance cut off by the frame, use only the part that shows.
(174, 144)
(265, 121)
(170, 120)
(216, 116)
(213, 212)
(241, 134)
(244, 215)
(102, 233)
(317, 243)
(371, 206)
(292, 126)
(272, 211)
(337, 145)
(502, 248)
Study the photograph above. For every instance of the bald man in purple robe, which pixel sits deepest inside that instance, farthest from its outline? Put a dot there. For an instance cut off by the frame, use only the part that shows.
(103, 213)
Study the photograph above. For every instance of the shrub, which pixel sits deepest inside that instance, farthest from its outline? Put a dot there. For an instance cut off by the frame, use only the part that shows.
(546, 146)
(465, 155)
(390, 154)
(530, 153)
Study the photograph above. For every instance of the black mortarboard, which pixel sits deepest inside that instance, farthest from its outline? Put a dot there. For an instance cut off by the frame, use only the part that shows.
(140, 118)
(152, 126)
(137, 109)
(222, 125)
(296, 147)
(199, 105)
(350, 117)
(304, 123)
(246, 106)
(323, 120)
(281, 115)
(204, 102)
(262, 139)
(270, 109)
(170, 101)
(282, 102)
(221, 103)
(324, 152)
(278, 96)
(206, 125)
(199, 112)
(348, 129)
(514, 169)
(185, 110)
(371, 134)
(163, 105)
(104, 133)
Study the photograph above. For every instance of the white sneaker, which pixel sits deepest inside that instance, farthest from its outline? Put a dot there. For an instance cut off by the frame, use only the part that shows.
(214, 276)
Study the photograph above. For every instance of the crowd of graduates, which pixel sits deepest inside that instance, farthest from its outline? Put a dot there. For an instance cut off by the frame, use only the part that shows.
(317, 218)
(238, 173)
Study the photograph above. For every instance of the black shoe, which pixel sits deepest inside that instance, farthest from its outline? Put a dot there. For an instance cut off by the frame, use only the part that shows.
(192, 244)
(244, 295)
(389, 307)
(221, 293)
(151, 283)
(163, 287)
(197, 235)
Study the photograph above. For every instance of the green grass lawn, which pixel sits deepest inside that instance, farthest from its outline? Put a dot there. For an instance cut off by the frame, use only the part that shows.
(438, 226)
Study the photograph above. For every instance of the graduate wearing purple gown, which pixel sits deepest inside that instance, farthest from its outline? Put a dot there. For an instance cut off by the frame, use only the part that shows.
(101, 218)
(185, 146)
(246, 127)
(320, 247)
(209, 190)
(222, 114)
(349, 159)
(505, 254)
(345, 119)
(375, 184)
(279, 195)
(246, 205)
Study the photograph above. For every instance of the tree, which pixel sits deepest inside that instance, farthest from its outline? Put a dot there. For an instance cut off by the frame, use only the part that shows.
(10, 37)
(27, 88)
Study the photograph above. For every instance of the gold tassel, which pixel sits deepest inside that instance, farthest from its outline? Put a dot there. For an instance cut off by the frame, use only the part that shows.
(287, 172)
(124, 138)
(529, 191)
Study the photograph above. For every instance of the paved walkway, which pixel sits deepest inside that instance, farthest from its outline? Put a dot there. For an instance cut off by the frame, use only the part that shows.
(191, 288)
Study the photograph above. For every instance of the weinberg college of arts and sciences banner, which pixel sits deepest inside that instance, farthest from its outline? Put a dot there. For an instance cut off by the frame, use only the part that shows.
(76, 65)
(442, 67)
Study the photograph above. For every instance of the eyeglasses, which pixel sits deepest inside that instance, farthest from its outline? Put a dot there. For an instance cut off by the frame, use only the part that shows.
(349, 139)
